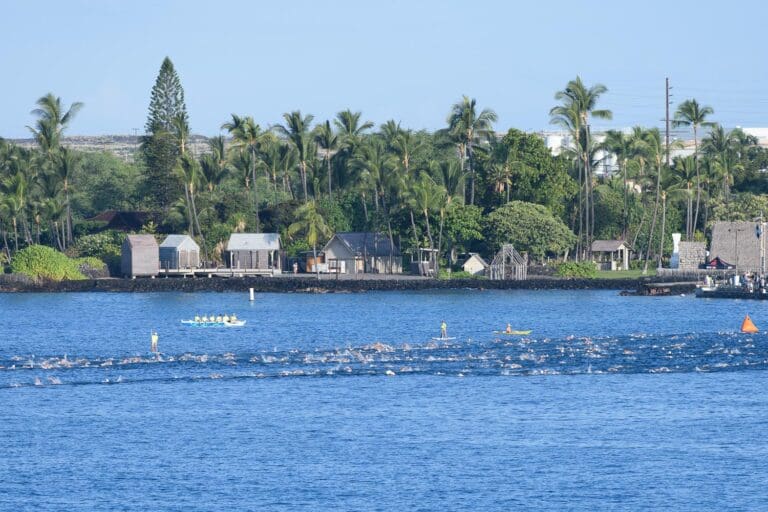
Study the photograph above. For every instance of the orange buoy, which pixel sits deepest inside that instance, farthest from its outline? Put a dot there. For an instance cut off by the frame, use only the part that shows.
(748, 326)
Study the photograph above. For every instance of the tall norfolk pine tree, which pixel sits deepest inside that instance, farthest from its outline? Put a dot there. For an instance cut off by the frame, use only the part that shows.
(159, 145)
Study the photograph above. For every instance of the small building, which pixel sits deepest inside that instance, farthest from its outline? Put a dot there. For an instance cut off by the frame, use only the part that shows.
(475, 265)
(611, 254)
(254, 251)
(140, 256)
(179, 252)
(508, 264)
(425, 262)
(738, 244)
(353, 253)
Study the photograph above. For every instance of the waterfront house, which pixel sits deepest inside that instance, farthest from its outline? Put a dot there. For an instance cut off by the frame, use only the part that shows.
(475, 265)
(354, 253)
(140, 256)
(179, 252)
(737, 243)
(611, 254)
(254, 251)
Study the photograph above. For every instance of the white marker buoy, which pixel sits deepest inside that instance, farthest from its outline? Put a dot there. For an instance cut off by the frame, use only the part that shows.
(251, 294)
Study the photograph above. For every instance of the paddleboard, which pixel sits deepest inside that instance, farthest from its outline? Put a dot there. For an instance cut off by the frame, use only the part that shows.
(445, 339)
(513, 333)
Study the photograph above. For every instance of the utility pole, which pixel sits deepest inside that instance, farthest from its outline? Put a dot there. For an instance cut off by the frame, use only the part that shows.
(666, 105)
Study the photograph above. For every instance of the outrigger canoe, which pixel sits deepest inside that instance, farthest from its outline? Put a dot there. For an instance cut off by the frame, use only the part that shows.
(193, 323)
(514, 333)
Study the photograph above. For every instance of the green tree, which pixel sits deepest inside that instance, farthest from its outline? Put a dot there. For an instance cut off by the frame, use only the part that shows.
(298, 132)
(163, 140)
(467, 127)
(690, 113)
(310, 221)
(328, 141)
(529, 227)
(578, 103)
(166, 101)
(247, 137)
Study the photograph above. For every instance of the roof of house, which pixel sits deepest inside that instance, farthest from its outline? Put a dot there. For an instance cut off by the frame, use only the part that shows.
(736, 243)
(477, 257)
(254, 242)
(608, 245)
(372, 244)
(178, 240)
(141, 241)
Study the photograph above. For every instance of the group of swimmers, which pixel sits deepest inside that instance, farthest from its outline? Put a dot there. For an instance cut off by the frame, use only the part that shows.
(216, 319)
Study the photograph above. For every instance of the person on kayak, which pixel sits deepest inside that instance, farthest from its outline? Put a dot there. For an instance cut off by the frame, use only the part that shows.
(508, 330)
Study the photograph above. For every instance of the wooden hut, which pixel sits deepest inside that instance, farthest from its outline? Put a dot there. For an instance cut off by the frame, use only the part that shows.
(353, 253)
(179, 252)
(508, 264)
(140, 256)
(254, 251)
(611, 254)
(475, 265)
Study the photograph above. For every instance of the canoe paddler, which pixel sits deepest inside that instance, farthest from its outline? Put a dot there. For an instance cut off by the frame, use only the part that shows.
(508, 330)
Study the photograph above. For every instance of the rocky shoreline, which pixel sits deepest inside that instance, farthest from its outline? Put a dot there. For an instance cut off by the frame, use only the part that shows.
(309, 284)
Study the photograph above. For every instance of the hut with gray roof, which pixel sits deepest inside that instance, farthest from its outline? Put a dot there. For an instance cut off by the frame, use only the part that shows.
(737, 243)
(611, 254)
(362, 252)
(179, 252)
(254, 252)
(140, 256)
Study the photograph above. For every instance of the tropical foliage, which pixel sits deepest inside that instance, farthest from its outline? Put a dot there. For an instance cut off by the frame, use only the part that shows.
(462, 188)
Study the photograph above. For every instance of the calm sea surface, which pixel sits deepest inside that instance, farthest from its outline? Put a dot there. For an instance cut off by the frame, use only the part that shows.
(345, 402)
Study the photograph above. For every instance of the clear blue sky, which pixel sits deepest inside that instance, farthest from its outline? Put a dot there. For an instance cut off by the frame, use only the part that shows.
(402, 60)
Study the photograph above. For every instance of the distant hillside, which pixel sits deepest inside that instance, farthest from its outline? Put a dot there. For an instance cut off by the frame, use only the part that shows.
(123, 146)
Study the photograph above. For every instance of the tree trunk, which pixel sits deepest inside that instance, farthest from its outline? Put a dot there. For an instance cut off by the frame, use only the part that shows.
(328, 166)
(190, 222)
(317, 267)
(303, 169)
(429, 232)
(653, 222)
(15, 236)
(663, 226)
(698, 180)
(255, 192)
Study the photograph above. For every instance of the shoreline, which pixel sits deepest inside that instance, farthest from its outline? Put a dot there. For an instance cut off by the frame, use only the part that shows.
(309, 284)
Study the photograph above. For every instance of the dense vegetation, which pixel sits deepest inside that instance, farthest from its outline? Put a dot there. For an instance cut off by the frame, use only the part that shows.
(459, 189)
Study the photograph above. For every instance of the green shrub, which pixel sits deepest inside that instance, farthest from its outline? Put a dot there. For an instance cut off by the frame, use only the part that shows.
(461, 274)
(41, 262)
(105, 246)
(583, 269)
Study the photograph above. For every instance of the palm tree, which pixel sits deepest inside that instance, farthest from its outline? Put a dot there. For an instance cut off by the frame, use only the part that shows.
(653, 148)
(426, 196)
(684, 178)
(722, 149)
(65, 165)
(618, 143)
(247, 137)
(297, 131)
(310, 221)
(468, 128)
(578, 104)
(328, 141)
(214, 165)
(690, 113)
(51, 122)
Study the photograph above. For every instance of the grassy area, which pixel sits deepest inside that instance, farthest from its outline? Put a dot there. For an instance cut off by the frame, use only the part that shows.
(625, 274)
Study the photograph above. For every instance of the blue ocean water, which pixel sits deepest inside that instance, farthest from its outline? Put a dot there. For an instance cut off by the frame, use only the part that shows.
(345, 402)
